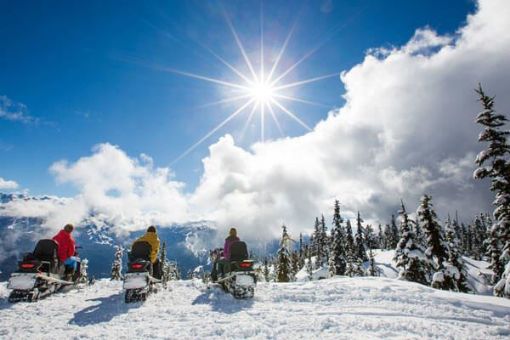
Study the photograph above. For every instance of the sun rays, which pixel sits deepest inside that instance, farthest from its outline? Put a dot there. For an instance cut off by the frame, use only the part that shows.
(259, 93)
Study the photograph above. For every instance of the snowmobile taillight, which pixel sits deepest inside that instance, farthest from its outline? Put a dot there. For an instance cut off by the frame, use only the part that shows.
(136, 265)
(245, 264)
(27, 265)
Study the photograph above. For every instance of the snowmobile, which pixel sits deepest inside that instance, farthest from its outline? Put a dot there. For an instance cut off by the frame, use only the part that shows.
(236, 276)
(40, 273)
(139, 280)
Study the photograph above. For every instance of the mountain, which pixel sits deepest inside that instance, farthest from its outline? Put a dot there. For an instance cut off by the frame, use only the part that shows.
(338, 308)
(187, 243)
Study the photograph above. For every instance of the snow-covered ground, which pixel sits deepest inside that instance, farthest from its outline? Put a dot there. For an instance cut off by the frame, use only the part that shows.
(340, 308)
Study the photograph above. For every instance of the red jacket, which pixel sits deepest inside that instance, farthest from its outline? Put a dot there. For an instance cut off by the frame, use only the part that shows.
(66, 246)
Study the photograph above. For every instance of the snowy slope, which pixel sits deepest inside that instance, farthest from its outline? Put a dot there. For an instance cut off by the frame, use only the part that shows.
(476, 271)
(340, 308)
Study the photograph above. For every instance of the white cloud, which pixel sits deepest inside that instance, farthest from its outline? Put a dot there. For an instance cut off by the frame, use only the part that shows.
(16, 112)
(407, 128)
(7, 185)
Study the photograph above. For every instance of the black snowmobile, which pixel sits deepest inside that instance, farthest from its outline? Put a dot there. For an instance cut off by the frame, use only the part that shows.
(236, 276)
(40, 273)
(140, 280)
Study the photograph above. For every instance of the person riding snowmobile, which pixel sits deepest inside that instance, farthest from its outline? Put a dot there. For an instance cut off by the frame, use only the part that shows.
(223, 265)
(151, 237)
(66, 250)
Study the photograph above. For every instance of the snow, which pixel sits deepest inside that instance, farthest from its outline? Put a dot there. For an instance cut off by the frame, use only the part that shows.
(339, 308)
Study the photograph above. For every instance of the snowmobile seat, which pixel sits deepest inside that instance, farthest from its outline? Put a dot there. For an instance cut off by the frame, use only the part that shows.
(140, 250)
(46, 252)
(238, 251)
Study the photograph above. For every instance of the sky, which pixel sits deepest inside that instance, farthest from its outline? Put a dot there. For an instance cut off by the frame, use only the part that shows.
(101, 102)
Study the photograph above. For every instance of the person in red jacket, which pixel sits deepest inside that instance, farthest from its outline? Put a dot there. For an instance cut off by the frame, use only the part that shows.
(66, 248)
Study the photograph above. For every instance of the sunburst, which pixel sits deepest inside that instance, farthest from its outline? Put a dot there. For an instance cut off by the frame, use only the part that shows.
(258, 92)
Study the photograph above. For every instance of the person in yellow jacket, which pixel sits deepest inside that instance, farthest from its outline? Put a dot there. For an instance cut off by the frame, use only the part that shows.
(151, 237)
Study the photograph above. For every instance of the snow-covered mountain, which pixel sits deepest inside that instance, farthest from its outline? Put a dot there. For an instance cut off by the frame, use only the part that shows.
(187, 243)
(339, 308)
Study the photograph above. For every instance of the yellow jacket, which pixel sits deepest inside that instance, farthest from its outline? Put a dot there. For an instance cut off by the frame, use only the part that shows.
(153, 240)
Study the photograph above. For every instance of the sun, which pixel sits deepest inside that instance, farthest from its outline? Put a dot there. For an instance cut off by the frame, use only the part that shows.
(262, 92)
(258, 92)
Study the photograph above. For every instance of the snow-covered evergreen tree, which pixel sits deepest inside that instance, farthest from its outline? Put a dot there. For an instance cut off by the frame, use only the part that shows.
(309, 267)
(381, 243)
(325, 241)
(393, 234)
(409, 255)
(294, 260)
(265, 270)
(373, 270)
(494, 164)
(360, 250)
(337, 260)
(455, 258)
(283, 266)
(354, 266)
(437, 249)
(117, 263)
(349, 239)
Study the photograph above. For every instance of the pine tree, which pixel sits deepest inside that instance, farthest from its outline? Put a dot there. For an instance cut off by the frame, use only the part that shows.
(455, 259)
(361, 252)
(309, 267)
(302, 254)
(409, 254)
(444, 276)
(373, 270)
(382, 238)
(337, 263)
(354, 266)
(349, 240)
(265, 270)
(394, 234)
(294, 260)
(117, 264)
(283, 268)
(325, 240)
(165, 266)
(493, 163)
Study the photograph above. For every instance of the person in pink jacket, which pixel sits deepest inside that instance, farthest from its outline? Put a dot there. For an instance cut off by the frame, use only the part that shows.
(232, 237)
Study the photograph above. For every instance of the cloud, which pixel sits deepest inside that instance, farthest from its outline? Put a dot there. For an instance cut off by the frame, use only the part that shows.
(7, 185)
(407, 128)
(130, 192)
(16, 112)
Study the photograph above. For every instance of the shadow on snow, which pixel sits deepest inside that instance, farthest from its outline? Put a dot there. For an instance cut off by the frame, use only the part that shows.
(221, 301)
(108, 308)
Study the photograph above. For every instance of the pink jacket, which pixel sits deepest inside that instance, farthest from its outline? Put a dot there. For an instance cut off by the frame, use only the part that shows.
(226, 248)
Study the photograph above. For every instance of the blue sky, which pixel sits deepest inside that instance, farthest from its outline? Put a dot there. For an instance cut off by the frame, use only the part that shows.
(92, 73)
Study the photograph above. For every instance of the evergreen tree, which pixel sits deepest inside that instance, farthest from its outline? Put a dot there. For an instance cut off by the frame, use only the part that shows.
(117, 264)
(455, 259)
(354, 266)
(373, 270)
(265, 270)
(437, 250)
(294, 259)
(381, 244)
(394, 234)
(493, 163)
(309, 267)
(302, 254)
(360, 251)
(480, 237)
(337, 260)
(409, 254)
(165, 266)
(283, 267)
(349, 240)
(325, 246)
